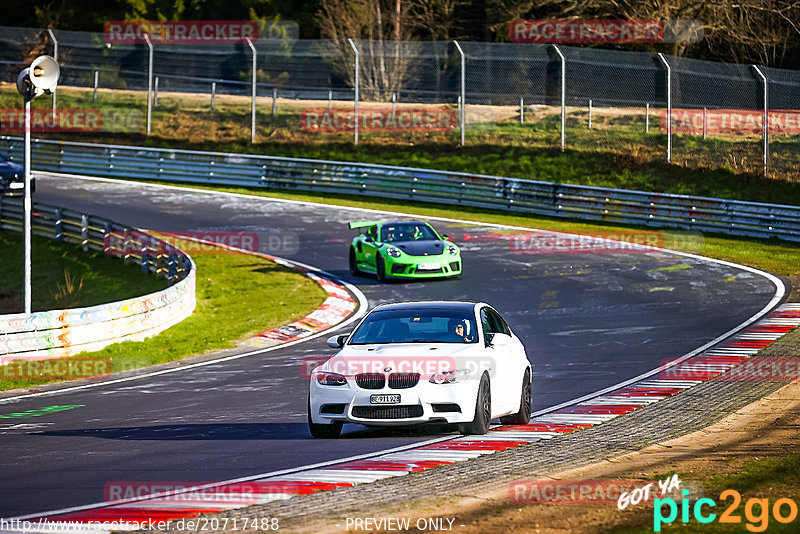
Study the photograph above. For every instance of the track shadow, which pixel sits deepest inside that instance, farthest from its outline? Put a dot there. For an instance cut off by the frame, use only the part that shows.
(245, 431)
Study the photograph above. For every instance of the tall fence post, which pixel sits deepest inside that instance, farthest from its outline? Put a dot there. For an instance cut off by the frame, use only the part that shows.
(155, 93)
(669, 105)
(463, 90)
(253, 96)
(590, 113)
(330, 100)
(213, 93)
(55, 56)
(96, 82)
(563, 97)
(394, 104)
(356, 83)
(522, 110)
(764, 117)
(149, 83)
(705, 122)
(274, 101)
(647, 117)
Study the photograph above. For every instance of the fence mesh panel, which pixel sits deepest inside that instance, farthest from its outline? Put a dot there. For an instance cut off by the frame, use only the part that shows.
(615, 101)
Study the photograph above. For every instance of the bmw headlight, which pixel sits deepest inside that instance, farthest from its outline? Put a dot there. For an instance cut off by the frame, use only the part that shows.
(452, 249)
(331, 379)
(393, 252)
(448, 377)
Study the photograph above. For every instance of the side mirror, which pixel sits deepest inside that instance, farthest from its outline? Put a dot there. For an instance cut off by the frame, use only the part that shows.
(337, 342)
(368, 238)
(498, 339)
(446, 237)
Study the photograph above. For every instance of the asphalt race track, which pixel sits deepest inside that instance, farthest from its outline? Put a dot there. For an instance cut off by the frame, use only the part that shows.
(588, 321)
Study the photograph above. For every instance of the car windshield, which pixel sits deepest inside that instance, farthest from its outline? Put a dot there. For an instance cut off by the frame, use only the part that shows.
(416, 326)
(406, 232)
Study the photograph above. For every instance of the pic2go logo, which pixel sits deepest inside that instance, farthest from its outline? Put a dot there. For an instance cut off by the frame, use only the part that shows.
(756, 511)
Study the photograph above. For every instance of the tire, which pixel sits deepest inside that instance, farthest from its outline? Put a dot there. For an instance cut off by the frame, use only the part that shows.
(353, 263)
(523, 416)
(483, 410)
(380, 268)
(320, 431)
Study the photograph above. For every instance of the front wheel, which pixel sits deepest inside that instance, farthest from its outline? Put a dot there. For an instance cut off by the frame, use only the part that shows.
(380, 268)
(329, 431)
(483, 410)
(523, 416)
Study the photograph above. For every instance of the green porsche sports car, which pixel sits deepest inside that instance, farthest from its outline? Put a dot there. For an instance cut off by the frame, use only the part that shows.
(403, 249)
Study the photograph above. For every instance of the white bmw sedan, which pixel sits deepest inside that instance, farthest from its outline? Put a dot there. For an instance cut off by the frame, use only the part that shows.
(417, 362)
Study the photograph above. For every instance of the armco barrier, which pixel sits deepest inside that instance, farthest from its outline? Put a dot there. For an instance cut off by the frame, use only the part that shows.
(58, 333)
(463, 189)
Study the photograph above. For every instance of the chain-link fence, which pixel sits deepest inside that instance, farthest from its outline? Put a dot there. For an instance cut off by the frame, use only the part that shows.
(543, 96)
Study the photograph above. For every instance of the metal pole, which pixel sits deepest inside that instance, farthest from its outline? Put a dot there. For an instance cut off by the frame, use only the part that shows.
(94, 96)
(590, 113)
(213, 93)
(355, 96)
(330, 100)
(647, 118)
(274, 101)
(253, 103)
(155, 94)
(463, 91)
(563, 97)
(27, 210)
(764, 118)
(394, 104)
(705, 119)
(522, 110)
(55, 56)
(149, 84)
(669, 106)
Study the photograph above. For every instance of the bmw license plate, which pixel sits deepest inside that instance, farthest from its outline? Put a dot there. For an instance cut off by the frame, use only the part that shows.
(384, 399)
(428, 266)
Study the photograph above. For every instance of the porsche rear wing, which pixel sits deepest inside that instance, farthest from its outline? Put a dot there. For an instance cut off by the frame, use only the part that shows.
(362, 224)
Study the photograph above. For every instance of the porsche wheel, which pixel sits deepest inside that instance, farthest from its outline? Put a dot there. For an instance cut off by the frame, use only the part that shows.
(483, 410)
(354, 270)
(523, 416)
(380, 268)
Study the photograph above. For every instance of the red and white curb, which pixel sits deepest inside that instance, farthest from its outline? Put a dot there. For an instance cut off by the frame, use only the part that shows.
(337, 306)
(190, 503)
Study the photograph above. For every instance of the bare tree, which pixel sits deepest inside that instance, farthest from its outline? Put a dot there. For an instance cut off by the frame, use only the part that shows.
(387, 43)
(435, 18)
(762, 31)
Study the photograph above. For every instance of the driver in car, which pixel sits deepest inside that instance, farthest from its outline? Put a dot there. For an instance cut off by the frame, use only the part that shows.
(458, 330)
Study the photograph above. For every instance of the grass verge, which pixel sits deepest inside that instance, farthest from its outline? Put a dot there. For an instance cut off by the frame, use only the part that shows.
(63, 276)
(238, 296)
(616, 152)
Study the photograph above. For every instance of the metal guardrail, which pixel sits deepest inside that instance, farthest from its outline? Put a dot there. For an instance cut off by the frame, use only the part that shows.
(750, 219)
(57, 333)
